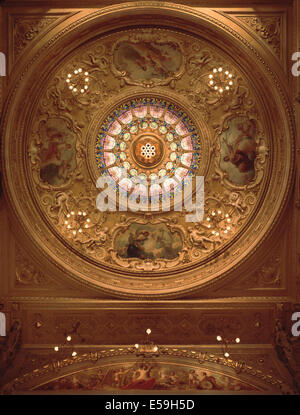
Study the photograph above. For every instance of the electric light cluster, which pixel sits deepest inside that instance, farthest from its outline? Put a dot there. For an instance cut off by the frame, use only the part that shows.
(76, 222)
(78, 82)
(148, 151)
(214, 217)
(220, 80)
(225, 343)
(147, 346)
(68, 340)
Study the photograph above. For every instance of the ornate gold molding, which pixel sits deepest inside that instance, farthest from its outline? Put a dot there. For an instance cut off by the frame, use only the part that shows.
(268, 28)
(253, 235)
(29, 380)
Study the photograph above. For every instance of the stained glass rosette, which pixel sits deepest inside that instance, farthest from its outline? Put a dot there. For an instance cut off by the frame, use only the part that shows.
(148, 142)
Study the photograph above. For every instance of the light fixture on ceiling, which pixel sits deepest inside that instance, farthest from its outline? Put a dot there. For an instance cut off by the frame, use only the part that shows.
(220, 80)
(68, 347)
(225, 342)
(76, 222)
(218, 221)
(78, 81)
(147, 348)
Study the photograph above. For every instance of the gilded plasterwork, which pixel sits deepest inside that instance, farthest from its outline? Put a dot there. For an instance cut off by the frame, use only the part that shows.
(269, 28)
(231, 154)
(117, 369)
(234, 147)
(26, 28)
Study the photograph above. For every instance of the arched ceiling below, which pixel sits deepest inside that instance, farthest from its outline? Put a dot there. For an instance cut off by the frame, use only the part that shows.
(118, 370)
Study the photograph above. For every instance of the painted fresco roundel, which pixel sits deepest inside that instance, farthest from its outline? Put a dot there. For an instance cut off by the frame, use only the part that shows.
(150, 164)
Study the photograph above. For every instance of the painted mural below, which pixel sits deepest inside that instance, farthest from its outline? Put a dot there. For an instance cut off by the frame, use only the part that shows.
(147, 376)
(148, 242)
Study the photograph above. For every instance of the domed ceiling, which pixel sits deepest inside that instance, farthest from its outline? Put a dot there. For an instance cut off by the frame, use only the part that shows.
(148, 111)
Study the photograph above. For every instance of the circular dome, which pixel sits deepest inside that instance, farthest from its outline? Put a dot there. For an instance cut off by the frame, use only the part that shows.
(147, 106)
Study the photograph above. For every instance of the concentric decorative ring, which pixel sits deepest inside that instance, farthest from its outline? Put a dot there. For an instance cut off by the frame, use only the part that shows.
(150, 138)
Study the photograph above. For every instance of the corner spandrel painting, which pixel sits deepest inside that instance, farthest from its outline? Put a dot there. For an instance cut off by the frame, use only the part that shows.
(148, 242)
(238, 150)
(146, 61)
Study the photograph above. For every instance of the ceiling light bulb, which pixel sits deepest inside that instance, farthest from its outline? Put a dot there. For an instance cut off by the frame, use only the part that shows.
(71, 87)
(148, 331)
(72, 213)
(220, 69)
(219, 338)
(227, 87)
(66, 222)
(74, 232)
(56, 348)
(80, 230)
(208, 219)
(226, 73)
(76, 72)
(80, 213)
(230, 82)
(74, 354)
(226, 354)
(69, 338)
(211, 82)
(216, 87)
(230, 75)
(75, 89)
(68, 215)
(84, 213)
(86, 226)
(136, 346)
(69, 226)
(215, 70)
(69, 75)
(79, 70)
(82, 91)
(88, 220)
(68, 80)
(86, 79)
(211, 76)
(226, 231)
(219, 212)
(221, 90)
(237, 340)
(155, 348)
